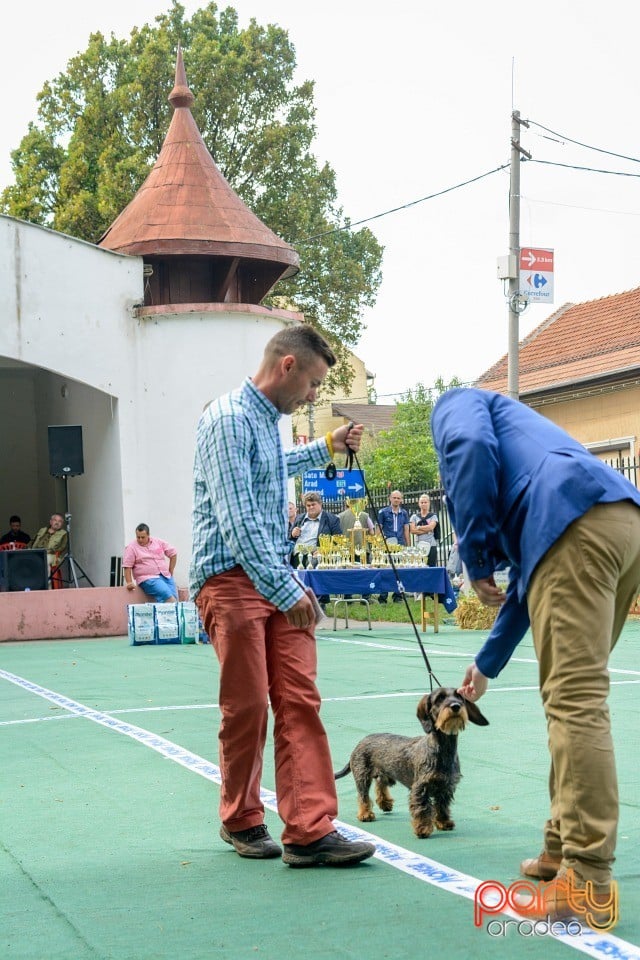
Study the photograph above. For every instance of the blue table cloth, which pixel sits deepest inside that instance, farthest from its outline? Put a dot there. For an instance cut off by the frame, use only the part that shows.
(381, 580)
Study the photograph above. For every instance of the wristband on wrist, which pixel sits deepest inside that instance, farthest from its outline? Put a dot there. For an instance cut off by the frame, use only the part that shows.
(329, 439)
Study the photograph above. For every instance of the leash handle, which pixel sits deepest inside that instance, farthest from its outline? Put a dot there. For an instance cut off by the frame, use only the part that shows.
(348, 464)
(330, 470)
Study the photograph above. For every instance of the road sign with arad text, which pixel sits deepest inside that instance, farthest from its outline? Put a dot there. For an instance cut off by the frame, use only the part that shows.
(347, 483)
(536, 274)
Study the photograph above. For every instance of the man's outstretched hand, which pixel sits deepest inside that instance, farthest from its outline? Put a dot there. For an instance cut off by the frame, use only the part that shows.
(474, 683)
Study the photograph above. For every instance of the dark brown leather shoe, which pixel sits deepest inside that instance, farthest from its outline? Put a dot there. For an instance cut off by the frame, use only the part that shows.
(542, 867)
(332, 850)
(254, 843)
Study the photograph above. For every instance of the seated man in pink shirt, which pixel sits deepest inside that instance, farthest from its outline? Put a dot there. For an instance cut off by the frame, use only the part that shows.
(151, 561)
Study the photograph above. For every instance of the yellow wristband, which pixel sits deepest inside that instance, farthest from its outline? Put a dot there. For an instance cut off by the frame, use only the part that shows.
(329, 439)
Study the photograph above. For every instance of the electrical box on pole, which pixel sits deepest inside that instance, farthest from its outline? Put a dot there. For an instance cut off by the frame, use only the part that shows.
(507, 267)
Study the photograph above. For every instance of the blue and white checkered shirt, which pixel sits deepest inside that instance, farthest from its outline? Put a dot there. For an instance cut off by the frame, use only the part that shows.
(240, 494)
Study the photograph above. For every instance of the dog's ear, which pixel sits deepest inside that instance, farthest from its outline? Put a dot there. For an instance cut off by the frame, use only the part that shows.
(423, 714)
(474, 714)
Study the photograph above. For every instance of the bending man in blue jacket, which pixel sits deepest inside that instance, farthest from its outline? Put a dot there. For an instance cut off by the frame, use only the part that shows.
(520, 490)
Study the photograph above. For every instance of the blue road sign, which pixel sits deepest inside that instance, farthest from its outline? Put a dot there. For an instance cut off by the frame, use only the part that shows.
(347, 483)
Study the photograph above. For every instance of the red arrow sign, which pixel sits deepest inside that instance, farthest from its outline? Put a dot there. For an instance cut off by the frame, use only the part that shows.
(536, 258)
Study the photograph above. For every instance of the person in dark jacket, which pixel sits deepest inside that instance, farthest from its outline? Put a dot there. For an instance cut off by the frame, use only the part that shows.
(308, 527)
(521, 492)
(15, 533)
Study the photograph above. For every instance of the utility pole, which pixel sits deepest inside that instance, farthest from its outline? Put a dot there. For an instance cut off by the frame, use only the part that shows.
(515, 303)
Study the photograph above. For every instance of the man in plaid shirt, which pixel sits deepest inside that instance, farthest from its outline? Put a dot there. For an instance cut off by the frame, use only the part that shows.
(260, 618)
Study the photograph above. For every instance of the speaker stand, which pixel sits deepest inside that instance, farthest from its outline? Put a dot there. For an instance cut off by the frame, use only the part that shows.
(71, 566)
(73, 569)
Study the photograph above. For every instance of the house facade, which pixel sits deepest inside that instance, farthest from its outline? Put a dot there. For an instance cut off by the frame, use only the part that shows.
(315, 422)
(581, 369)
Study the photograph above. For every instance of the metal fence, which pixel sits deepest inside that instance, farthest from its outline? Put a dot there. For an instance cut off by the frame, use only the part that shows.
(380, 497)
(628, 466)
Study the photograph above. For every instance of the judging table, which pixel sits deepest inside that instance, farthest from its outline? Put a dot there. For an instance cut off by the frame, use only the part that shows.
(359, 579)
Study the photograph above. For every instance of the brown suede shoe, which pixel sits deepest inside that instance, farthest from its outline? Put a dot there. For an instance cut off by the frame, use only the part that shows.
(543, 867)
(567, 896)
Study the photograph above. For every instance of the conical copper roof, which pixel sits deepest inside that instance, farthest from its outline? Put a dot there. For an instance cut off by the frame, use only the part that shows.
(185, 207)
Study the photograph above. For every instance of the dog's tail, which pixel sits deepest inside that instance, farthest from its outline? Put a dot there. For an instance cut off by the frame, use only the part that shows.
(343, 772)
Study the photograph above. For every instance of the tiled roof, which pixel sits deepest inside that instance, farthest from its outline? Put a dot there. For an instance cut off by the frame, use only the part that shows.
(578, 342)
(374, 416)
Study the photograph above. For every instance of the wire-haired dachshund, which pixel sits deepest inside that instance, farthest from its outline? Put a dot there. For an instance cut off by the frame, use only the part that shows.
(427, 765)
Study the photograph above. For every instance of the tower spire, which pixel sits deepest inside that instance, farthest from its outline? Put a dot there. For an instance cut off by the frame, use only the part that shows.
(201, 241)
(181, 95)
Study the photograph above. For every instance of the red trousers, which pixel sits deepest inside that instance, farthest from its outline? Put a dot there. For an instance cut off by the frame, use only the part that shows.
(264, 659)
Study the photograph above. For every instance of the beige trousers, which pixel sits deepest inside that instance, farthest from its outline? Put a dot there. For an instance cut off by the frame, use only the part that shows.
(579, 597)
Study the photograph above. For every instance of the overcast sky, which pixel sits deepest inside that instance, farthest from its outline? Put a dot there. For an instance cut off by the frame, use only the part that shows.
(412, 98)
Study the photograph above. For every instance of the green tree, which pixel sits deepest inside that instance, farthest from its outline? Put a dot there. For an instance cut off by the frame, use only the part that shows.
(404, 455)
(102, 122)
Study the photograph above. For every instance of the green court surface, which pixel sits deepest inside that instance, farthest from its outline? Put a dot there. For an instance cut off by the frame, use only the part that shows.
(109, 824)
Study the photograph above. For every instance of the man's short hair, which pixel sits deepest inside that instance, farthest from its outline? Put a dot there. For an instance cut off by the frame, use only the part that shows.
(303, 342)
(142, 527)
(15, 519)
(312, 497)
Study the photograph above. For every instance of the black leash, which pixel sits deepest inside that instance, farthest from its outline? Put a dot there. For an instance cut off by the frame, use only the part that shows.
(351, 457)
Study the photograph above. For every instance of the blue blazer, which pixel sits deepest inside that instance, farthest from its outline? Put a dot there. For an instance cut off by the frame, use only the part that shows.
(514, 481)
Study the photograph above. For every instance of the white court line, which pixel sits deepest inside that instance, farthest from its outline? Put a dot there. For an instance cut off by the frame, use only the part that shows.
(420, 867)
(214, 706)
(449, 653)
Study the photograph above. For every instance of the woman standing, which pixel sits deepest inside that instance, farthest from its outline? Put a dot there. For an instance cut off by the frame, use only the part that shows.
(423, 526)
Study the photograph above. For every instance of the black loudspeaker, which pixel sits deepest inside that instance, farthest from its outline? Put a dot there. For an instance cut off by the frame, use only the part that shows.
(23, 570)
(65, 452)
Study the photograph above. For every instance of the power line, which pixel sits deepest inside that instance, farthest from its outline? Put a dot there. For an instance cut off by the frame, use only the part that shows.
(482, 176)
(587, 146)
(571, 166)
(405, 206)
(577, 206)
(465, 183)
(397, 393)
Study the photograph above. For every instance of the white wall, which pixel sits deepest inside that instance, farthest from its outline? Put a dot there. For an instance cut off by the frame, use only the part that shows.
(185, 360)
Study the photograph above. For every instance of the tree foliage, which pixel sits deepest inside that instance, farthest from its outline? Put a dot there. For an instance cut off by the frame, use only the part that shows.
(404, 456)
(102, 122)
